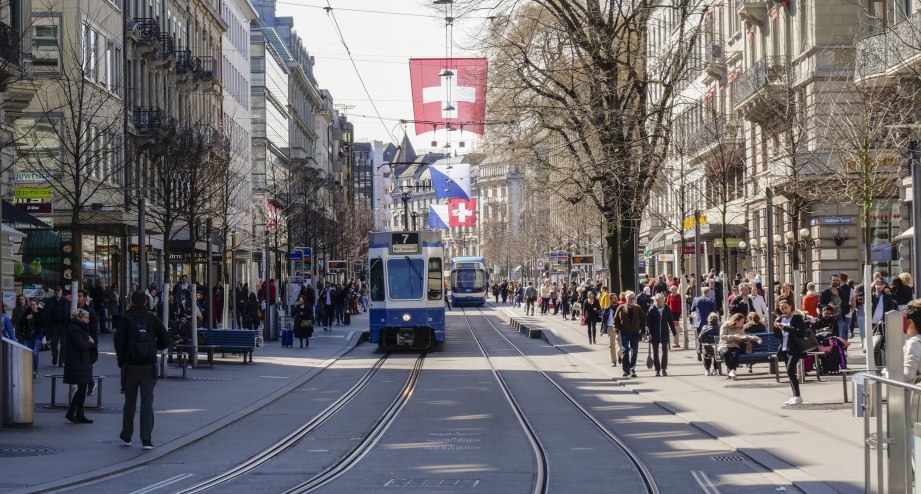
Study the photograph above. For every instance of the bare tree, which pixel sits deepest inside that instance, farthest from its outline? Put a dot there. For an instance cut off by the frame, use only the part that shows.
(583, 83)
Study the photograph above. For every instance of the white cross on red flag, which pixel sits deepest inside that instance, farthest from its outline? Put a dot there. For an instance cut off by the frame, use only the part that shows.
(449, 91)
(461, 212)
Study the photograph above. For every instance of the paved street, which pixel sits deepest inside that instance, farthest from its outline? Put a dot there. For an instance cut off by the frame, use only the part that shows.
(580, 424)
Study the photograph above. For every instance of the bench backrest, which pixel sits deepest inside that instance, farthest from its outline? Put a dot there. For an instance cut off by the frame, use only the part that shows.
(230, 337)
(769, 344)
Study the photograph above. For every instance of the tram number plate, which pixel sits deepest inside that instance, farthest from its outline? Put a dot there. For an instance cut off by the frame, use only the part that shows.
(405, 243)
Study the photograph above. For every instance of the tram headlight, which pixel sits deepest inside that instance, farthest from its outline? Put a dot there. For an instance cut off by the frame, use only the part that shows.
(407, 318)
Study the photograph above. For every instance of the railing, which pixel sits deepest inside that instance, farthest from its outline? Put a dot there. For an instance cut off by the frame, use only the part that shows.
(769, 71)
(184, 61)
(147, 120)
(148, 28)
(208, 67)
(893, 437)
(9, 44)
(714, 51)
(895, 45)
(167, 44)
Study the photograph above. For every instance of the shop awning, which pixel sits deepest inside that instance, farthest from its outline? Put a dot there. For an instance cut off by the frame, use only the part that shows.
(906, 235)
(22, 220)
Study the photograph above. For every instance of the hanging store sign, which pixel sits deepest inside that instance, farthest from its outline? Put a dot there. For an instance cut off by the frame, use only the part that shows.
(32, 178)
(689, 222)
(666, 258)
(732, 243)
(33, 193)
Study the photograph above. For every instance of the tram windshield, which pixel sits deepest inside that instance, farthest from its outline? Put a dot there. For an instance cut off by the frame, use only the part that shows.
(404, 278)
(468, 278)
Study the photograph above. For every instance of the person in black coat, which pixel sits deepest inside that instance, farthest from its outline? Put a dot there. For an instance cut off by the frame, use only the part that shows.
(57, 314)
(660, 322)
(251, 312)
(592, 316)
(789, 328)
(32, 327)
(303, 321)
(78, 363)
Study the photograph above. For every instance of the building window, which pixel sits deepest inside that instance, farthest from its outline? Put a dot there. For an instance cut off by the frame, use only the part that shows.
(46, 53)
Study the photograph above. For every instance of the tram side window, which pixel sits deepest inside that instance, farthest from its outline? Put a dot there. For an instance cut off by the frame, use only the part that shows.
(405, 278)
(436, 280)
(377, 280)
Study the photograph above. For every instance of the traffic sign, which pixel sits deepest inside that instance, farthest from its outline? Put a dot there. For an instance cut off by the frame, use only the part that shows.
(540, 264)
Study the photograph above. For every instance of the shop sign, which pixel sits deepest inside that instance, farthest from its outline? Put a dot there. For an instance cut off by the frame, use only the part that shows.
(666, 258)
(256, 256)
(177, 257)
(35, 207)
(733, 243)
(32, 178)
(689, 250)
(147, 248)
(33, 193)
(689, 222)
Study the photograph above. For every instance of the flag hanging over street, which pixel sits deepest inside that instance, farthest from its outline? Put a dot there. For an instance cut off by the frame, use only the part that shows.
(451, 181)
(449, 90)
(462, 212)
(438, 216)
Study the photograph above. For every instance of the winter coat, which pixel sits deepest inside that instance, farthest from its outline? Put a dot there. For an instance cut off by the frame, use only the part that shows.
(31, 329)
(660, 324)
(78, 354)
(302, 313)
(702, 308)
(797, 328)
(629, 319)
(592, 311)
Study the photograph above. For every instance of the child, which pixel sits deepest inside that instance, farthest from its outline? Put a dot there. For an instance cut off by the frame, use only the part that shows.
(709, 336)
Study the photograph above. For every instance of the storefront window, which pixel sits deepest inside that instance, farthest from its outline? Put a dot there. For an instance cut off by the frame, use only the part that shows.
(884, 225)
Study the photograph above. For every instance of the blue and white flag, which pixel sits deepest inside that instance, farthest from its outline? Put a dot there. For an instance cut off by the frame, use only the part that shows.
(451, 181)
(438, 217)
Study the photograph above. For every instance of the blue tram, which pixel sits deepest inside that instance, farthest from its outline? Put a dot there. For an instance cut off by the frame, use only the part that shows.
(469, 281)
(406, 289)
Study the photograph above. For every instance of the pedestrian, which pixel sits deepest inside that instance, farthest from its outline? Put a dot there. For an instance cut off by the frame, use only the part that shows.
(138, 338)
(592, 317)
(837, 297)
(790, 327)
(810, 304)
(564, 300)
(503, 291)
(252, 314)
(57, 313)
(303, 322)
(32, 328)
(630, 321)
(328, 298)
(79, 357)
(8, 331)
(731, 335)
(911, 351)
(530, 296)
(660, 322)
(19, 310)
(709, 335)
(545, 297)
(702, 307)
(900, 292)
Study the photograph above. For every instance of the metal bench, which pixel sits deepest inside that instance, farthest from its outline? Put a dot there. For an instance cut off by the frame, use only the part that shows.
(70, 391)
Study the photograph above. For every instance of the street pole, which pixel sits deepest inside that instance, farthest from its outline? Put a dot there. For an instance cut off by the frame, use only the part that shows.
(265, 281)
(769, 248)
(698, 275)
(142, 245)
(208, 275)
(164, 369)
(194, 317)
(915, 215)
(405, 195)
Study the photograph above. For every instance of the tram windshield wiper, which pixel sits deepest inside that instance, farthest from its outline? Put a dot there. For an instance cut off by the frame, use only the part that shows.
(418, 273)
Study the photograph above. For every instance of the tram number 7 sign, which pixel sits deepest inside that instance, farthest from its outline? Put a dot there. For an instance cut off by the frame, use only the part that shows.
(404, 243)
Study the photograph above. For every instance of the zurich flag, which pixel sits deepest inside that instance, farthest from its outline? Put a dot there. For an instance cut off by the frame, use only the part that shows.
(451, 181)
(438, 216)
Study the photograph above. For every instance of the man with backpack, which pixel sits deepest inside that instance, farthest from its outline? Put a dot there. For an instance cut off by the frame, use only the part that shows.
(138, 337)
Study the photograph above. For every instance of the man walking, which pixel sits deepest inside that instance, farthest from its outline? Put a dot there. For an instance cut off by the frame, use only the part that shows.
(660, 322)
(530, 295)
(630, 321)
(140, 334)
(58, 310)
(837, 297)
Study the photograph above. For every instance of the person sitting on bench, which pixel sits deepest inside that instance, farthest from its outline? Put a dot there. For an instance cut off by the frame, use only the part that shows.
(180, 334)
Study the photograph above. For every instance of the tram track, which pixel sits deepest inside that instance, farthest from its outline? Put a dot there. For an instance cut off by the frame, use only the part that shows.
(542, 483)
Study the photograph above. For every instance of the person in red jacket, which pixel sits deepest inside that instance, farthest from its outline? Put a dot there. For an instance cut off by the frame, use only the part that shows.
(673, 300)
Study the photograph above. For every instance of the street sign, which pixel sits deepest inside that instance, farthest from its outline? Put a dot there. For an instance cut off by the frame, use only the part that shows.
(540, 264)
(582, 259)
(295, 255)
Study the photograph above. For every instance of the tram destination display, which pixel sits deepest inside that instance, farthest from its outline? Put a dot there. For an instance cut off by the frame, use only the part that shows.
(404, 243)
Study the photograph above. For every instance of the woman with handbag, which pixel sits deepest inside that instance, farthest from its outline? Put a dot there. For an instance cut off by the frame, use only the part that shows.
(731, 336)
(79, 357)
(592, 316)
(790, 328)
(303, 322)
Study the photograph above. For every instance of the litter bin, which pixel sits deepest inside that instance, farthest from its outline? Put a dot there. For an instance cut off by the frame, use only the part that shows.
(18, 397)
(272, 330)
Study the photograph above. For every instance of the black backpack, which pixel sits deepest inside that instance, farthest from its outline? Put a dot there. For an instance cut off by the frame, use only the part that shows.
(141, 340)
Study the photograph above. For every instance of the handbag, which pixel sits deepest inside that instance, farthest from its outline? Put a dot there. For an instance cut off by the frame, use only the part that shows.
(649, 362)
(809, 342)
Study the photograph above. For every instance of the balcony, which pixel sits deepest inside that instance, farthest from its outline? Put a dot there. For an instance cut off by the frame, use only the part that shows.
(722, 131)
(207, 68)
(761, 91)
(145, 32)
(185, 63)
(753, 11)
(892, 53)
(147, 120)
(715, 58)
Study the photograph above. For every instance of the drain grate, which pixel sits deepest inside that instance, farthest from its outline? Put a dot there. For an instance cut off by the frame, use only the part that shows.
(21, 451)
(727, 458)
(756, 385)
(433, 483)
(13, 485)
(165, 465)
(197, 378)
(819, 406)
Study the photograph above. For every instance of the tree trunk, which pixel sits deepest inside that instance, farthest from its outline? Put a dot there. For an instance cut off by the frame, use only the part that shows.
(77, 254)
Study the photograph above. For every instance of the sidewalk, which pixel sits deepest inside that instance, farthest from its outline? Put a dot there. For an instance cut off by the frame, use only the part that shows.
(55, 451)
(818, 446)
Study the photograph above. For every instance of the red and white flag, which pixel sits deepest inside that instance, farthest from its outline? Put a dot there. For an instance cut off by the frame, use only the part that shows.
(461, 212)
(449, 91)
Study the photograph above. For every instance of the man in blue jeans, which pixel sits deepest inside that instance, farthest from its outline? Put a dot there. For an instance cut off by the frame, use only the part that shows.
(837, 298)
(630, 321)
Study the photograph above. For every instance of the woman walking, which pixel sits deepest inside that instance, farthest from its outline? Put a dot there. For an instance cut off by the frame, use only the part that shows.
(303, 322)
(789, 328)
(592, 316)
(32, 328)
(79, 357)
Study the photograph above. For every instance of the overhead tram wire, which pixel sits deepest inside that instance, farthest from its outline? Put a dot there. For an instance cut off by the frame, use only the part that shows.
(332, 16)
(367, 11)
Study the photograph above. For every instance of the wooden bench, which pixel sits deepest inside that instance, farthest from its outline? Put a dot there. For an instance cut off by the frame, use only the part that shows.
(225, 341)
(70, 392)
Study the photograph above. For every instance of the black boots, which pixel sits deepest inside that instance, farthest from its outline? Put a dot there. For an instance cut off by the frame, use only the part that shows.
(77, 416)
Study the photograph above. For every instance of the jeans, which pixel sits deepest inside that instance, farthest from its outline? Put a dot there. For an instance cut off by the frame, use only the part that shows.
(329, 313)
(529, 306)
(861, 326)
(655, 355)
(138, 378)
(792, 360)
(631, 344)
(844, 328)
(364, 303)
(36, 348)
(340, 313)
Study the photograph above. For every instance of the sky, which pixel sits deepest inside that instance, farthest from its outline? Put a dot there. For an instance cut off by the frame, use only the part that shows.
(381, 43)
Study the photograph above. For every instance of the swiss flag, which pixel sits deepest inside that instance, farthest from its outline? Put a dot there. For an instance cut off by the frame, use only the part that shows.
(461, 212)
(448, 91)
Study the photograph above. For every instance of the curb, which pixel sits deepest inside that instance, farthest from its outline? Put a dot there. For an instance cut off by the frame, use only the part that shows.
(67, 483)
(776, 465)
